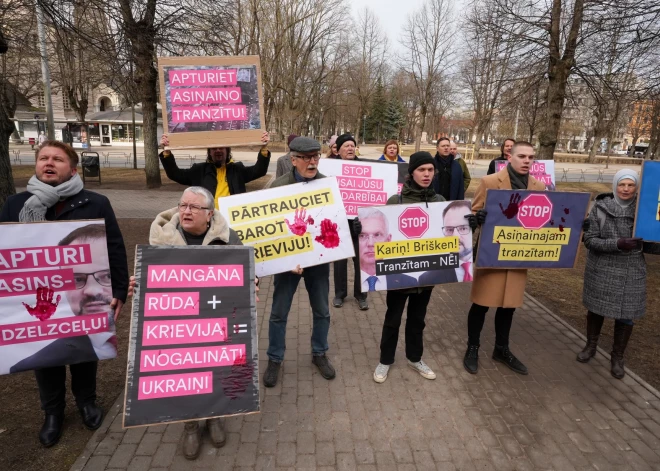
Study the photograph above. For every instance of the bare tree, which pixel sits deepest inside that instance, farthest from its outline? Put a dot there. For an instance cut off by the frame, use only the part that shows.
(427, 37)
(20, 78)
(488, 65)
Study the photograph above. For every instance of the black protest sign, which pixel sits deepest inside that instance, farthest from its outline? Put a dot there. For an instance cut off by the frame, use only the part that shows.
(193, 339)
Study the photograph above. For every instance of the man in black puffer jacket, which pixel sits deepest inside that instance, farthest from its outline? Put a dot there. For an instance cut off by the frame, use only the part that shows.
(220, 175)
(55, 193)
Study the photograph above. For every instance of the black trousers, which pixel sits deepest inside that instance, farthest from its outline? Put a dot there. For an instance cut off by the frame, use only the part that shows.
(417, 304)
(503, 321)
(52, 386)
(341, 272)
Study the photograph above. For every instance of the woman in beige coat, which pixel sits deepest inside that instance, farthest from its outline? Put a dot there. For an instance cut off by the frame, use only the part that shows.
(499, 288)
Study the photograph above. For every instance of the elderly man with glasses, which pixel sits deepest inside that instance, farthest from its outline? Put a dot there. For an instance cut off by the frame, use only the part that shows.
(305, 155)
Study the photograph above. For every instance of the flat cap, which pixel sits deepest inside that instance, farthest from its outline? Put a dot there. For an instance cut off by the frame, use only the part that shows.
(304, 144)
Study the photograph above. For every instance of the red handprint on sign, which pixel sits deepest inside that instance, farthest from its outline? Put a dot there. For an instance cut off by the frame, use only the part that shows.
(299, 225)
(45, 306)
(329, 237)
(514, 204)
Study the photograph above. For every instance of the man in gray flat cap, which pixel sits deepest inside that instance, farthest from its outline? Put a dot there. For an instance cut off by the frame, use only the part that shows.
(305, 155)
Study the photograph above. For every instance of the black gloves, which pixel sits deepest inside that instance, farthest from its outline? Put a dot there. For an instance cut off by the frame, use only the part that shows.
(472, 221)
(481, 216)
(629, 243)
(586, 224)
(357, 226)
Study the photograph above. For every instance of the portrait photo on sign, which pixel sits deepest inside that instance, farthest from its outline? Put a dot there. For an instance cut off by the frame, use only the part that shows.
(55, 295)
(407, 246)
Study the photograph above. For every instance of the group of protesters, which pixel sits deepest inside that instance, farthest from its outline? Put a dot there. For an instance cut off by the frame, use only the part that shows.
(614, 285)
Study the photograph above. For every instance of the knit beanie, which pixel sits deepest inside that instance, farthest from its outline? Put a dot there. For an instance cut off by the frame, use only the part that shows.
(419, 158)
(332, 140)
(344, 138)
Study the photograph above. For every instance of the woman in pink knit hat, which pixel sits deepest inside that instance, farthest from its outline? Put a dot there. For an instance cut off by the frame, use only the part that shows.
(332, 144)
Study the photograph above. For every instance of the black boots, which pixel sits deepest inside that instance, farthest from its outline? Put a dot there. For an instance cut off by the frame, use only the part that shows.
(594, 324)
(504, 355)
(271, 374)
(471, 359)
(51, 430)
(92, 416)
(621, 336)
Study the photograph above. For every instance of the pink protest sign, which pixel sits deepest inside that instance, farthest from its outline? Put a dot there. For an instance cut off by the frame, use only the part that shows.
(211, 101)
(194, 316)
(55, 295)
(361, 183)
(542, 170)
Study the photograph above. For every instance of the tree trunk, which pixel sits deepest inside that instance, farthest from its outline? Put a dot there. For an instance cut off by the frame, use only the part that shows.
(555, 105)
(559, 69)
(7, 187)
(146, 77)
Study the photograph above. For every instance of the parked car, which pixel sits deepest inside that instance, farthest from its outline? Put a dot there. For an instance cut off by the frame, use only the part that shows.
(639, 150)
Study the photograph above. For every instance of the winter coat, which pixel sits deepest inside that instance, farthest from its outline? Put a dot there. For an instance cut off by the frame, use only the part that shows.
(166, 230)
(493, 287)
(492, 166)
(290, 179)
(614, 280)
(457, 185)
(85, 205)
(206, 174)
(284, 165)
(399, 159)
(411, 193)
(467, 178)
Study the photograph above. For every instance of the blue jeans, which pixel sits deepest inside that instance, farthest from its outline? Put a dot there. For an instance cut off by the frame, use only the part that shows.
(317, 282)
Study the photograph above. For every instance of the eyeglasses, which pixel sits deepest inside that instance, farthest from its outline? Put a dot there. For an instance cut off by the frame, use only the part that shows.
(308, 158)
(462, 230)
(102, 277)
(194, 208)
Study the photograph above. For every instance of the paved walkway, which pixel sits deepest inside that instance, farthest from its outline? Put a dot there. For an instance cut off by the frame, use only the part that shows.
(563, 416)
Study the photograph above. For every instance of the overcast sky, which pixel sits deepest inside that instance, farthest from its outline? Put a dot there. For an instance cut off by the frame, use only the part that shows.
(391, 13)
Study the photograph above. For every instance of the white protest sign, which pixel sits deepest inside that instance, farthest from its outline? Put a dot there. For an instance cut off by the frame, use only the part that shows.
(301, 224)
(361, 183)
(55, 295)
(411, 245)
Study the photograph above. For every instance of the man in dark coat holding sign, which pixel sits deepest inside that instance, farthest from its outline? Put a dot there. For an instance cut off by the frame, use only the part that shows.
(499, 288)
(418, 188)
(305, 156)
(220, 175)
(55, 193)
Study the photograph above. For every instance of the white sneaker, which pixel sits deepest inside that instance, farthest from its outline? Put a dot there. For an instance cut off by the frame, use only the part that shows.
(422, 368)
(380, 375)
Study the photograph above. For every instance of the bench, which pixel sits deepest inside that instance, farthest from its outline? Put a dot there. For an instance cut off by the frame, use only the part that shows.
(121, 156)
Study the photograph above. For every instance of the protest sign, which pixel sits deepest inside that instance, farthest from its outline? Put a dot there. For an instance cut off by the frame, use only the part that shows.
(361, 183)
(647, 219)
(302, 224)
(402, 169)
(542, 170)
(411, 245)
(211, 101)
(55, 295)
(193, 340)
(531, 229)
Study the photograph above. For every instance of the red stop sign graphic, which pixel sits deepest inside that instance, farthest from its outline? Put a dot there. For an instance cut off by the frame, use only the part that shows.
(413, 223)
(535, 211)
